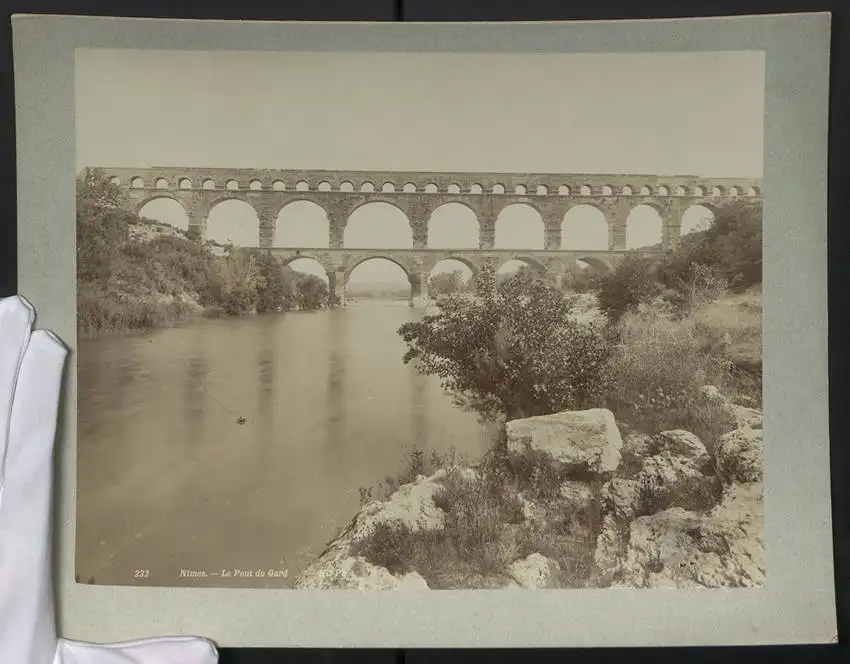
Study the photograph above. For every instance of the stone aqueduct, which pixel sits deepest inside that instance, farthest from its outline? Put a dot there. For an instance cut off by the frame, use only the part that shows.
(419, 194)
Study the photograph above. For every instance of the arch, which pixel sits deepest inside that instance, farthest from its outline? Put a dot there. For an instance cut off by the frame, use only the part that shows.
(498, 189)
(378, 225)
(628, 191)
(646, 190)
(302, 223)
(346, 186)
(367, 187)
(233, 221)
(409, 188)
(115, 180)
(696, 218)
(453, 225)
(663, 191)
(450, 275)
(680, 191)
(734, 192)
(753, 191)
(563, 190)
(208, 184)
(161, 183)
(459, 260)
(307, 265)
(231, 185)
(542, 190)
(378, 277)
(584, 227)
(717, 191)
(185, 183)
(302, 185)
(585, 190)
(520, 226)
(166, 210)
(513, 265)
(520, 190)
(430, 188)
(453, 188)
(644, 227)
(594, 263)
(324, 185)
(137, 183)
(476, 188)
(255, 185)
(607, 190)
(388, 188)
(278, 185)
(698, 191)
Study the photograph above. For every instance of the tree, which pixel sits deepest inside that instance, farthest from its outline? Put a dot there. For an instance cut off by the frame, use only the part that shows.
(630, 284)
(446, 283)
(513, 351)
(311, 292)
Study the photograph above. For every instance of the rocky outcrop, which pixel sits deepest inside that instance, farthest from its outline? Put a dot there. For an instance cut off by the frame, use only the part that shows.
(586, 440)
(534, 572)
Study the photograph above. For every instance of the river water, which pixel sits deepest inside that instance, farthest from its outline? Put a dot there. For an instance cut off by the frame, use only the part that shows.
(169, 480)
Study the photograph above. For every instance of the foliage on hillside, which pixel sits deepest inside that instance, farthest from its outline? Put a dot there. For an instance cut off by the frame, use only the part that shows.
(126, 283)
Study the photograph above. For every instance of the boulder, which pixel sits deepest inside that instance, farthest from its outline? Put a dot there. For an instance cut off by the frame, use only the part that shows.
(621, 499)
(638, 445)
(680, 549)
(534, 572)
(668, 480)
(738, 456)
(586, 440)
(576, 495)
(682, 444)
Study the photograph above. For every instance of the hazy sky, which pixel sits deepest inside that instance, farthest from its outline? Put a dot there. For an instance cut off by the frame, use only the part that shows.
(671, 113)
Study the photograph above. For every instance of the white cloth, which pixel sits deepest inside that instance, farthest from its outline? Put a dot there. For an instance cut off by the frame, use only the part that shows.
(31, 367)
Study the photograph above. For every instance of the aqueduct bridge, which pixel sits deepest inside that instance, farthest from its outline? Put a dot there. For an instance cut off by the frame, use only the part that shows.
(419, 194)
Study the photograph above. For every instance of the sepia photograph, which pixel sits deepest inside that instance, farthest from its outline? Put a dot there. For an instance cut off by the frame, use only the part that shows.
(345, 327)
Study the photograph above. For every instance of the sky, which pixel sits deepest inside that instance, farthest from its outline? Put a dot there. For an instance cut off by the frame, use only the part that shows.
(659, 113)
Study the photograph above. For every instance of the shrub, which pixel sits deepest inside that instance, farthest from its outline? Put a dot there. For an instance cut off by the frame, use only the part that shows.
(630, 284)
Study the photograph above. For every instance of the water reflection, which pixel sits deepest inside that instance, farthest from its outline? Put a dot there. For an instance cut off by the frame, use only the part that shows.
(168, 479)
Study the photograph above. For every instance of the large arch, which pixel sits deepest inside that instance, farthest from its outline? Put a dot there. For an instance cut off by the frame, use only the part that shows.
(453, 226)
(377, 278)
(302, 223)
(515, 264)
(520, 226)
(307, 265)
(584, 227)
(696, 218)
(644, 227)
(166, 210)
(233, 221)
(451, 275)
(378, 225)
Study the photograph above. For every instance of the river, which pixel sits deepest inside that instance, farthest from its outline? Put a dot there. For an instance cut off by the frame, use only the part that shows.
(169, 480)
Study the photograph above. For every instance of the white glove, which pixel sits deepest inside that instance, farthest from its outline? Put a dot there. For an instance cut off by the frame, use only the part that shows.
(31, 364)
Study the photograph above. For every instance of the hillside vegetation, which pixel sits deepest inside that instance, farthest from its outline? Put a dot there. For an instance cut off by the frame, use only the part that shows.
(135, 274)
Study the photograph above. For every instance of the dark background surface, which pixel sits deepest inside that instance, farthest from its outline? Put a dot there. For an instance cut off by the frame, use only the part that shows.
(528, 10)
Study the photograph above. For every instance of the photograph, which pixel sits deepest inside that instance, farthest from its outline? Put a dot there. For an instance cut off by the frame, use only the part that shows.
(412, 321)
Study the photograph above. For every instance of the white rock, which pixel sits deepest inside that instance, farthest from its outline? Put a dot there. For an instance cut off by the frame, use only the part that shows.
(682, 443)
(535, 572)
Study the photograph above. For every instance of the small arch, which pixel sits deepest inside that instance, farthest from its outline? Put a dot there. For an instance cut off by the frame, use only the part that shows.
(430, 188)
(367, 187)
(388, 188)
(628, 191)
(115, 180)
(607, 190)
(161, 183)
(185, 183)
(585, 190)
(208, 184)
(681, 191)
(346, 186)
(563, 190)
(137, 183)
(476, 189)
(232, 185)
(734, 192)
(498, 189)
(520, 226)
(698, 191)
(644, 228)
(409, 188)
(696, 218)
(663, 191)
(302, 185)
(278, 185)
(324, 185)
(753, 191)
(542, 190)
(584, 227)
(646, 190)
(520, 190)
(453, 226)
(453, 189)
(717, 192)
(255, 185)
